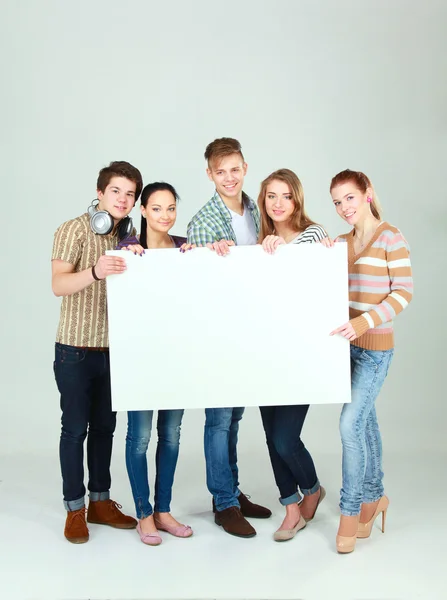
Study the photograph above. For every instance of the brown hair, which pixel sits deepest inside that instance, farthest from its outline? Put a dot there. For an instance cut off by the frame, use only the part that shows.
(362, 182)
(299, 219)
(120, 168)
(221, 148)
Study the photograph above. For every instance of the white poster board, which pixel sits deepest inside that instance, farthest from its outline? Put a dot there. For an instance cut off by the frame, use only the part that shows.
(198, 330)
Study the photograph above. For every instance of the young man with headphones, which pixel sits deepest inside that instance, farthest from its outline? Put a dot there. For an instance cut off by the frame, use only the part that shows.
(81, 366)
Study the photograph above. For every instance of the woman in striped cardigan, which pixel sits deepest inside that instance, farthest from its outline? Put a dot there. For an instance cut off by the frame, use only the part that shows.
(380, 287)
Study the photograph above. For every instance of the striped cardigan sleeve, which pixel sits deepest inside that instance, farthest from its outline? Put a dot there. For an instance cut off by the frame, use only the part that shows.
(397, 256)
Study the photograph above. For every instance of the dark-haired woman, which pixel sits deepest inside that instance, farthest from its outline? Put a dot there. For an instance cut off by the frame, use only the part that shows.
(158, 215)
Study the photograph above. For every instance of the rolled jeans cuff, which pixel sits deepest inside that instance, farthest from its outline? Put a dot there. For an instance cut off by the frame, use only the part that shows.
(98, 496)
(293, 499)
(312, 490)
(71, 505)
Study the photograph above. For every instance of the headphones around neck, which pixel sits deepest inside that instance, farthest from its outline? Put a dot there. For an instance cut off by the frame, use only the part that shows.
(102, 223)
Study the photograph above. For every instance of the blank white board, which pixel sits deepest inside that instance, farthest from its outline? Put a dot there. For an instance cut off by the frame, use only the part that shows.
(198, 330)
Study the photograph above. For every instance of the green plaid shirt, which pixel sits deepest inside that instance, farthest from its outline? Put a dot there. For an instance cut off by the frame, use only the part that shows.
(213, 221)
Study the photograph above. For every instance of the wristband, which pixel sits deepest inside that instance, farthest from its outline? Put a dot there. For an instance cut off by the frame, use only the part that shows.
(95, 277)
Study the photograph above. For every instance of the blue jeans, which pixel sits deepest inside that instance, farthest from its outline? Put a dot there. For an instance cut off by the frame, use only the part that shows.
(83, 380)
(292, 463)
(220, 440)
(139, 427)
(359, 429)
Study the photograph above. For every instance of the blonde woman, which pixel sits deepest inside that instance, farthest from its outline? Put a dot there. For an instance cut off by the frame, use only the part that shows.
(284, 221)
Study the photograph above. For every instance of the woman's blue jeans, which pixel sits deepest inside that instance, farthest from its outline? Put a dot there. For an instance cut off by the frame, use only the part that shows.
(359, 429)
(139, 426)
(292, 463)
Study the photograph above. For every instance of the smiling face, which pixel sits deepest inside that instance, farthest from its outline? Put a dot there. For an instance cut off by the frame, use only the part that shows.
(279, 203)
(228, 175)
(351, 203)
(160, 211)
(118, 198)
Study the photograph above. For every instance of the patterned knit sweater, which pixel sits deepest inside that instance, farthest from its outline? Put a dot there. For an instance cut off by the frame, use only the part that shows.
(380, 286)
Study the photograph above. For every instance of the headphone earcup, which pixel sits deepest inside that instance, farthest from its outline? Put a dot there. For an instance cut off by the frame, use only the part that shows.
(125, 227)
(101, 222)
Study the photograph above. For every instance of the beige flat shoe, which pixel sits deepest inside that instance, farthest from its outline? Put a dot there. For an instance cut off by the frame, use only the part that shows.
(284, 535)
(320, 499)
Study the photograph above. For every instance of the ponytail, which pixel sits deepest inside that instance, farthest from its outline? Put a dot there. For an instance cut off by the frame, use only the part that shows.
(143, 232)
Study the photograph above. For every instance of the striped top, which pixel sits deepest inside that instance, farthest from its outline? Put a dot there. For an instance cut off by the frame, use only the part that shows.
(380, 286)
(313, 233)
(83, 318)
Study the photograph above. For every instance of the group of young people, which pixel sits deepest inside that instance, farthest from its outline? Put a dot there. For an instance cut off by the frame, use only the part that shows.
(380, 286)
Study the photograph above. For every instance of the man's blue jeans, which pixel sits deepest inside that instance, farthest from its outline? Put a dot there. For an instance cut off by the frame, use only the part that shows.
(139, 426)
(83, 380)
(359, 429)
(220, 440)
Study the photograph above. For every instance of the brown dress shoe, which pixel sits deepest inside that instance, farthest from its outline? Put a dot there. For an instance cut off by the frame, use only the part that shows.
(250, 510)
(254, 511)
(107, 512)
(76, 530)
(234, 522)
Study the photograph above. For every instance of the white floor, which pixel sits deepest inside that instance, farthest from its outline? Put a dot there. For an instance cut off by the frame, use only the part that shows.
(406, 562)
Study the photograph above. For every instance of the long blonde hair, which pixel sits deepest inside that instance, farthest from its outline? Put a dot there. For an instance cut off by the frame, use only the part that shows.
(299, 220)
(362, 182)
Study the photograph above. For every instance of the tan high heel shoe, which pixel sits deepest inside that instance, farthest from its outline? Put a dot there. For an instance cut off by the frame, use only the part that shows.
(346, 544)
(364, 529)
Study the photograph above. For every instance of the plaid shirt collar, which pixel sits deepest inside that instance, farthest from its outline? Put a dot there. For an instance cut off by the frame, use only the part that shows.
(221, 207)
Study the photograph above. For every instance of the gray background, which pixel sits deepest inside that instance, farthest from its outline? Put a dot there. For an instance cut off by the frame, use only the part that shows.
(315, 87)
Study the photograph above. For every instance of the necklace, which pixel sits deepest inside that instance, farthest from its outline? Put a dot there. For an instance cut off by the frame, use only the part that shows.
(361, 243)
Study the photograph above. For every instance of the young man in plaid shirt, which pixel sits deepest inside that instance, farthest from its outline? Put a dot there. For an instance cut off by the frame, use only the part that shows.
(229, 218)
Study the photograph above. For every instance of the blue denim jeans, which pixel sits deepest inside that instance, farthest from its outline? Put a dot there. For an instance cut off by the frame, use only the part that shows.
(220, 440)
(292, 463)
(83, 380)
(139, 427)
(359, 429)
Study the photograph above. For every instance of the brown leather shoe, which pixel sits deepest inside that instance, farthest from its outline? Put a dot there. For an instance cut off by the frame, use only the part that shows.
(107, 512)
(250, 510)
(254, 511)
(234, 522)
(76, 530)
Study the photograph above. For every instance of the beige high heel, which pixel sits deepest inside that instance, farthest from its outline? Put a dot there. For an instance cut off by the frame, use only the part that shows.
(364, 529)
(284, 535)
(345, 544)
